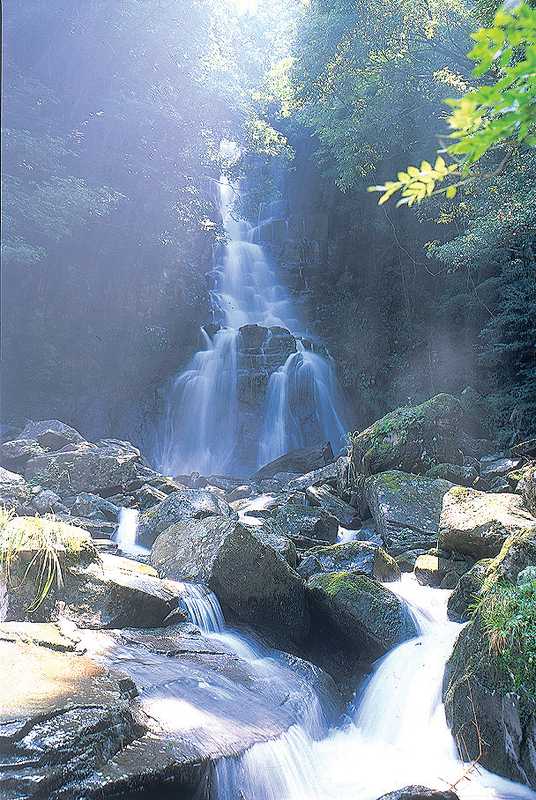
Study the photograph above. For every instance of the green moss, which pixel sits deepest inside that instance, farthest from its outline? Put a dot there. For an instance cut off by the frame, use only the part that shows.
(348, 584)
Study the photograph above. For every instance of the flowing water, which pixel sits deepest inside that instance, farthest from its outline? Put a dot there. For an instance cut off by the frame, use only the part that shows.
(394, 734)
(201, 427)
(397, 734)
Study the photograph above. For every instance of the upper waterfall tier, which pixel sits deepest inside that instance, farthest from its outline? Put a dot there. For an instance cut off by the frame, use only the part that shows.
(255, 390)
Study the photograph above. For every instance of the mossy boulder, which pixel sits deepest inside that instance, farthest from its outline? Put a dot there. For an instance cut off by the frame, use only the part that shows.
(411, 438)
(371, 618)
(356, 556)
(252, 579)
(492, 722)
(478, 523)
(406, 509)
(305, 525)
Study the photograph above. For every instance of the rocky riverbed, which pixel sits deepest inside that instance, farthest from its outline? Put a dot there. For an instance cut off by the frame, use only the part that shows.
(110, 687)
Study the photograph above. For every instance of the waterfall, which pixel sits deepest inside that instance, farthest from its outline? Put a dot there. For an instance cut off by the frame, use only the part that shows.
(201, 428)
(125, 535)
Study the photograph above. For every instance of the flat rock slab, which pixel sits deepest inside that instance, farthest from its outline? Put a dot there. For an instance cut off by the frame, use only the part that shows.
(93, 712)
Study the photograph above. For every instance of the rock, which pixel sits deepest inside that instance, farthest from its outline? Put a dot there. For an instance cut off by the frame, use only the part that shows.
(302, 460)
(497, 466)
(455, 473)
(183, 505)
(327, 474)
(63, 717)
(420, 793)
(15, 454)
(85, 469)
(92, 506)
(476, 409)
(411, 438)
(15, 494)
(478, 523)
(353, 556)
(369, 616)
(467, 588)
(48, 502)
(117, 592)
(432, 569)
(97, 528)
(305, 525)
(272, 536)
(406, 509)
(51, 434)
(148, 496)
(491, 721)
(527, 489)
(252, 580)
(517, 553)
(342, 511)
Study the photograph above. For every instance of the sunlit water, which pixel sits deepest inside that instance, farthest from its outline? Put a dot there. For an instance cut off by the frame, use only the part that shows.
(201, 425)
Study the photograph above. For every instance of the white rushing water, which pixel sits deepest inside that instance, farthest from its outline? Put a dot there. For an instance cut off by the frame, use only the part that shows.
(125, 535)
(397, 735)
(201, 427)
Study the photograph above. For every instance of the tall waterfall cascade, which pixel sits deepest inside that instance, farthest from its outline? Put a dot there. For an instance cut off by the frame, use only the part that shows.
(258, 387)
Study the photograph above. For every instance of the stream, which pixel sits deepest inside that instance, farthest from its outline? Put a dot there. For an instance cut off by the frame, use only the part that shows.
(393, 734)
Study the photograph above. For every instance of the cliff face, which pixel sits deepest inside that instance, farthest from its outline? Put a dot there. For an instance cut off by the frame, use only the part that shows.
(364, 285)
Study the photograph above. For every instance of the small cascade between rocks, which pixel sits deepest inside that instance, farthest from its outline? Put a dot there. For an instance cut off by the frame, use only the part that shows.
(257, 388)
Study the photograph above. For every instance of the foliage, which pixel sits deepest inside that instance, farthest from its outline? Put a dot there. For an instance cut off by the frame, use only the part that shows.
(508, 614)
(39, 542)
(487, 115)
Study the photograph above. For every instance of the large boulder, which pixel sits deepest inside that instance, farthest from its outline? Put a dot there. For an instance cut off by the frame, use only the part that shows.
(354, 556)
(302, 460)
(370, 617)
(412, 438)
(406, 509)
(182, 505)
(478, 523)
(493, 721)
(116, 592)
(52, 569)
(252, 579)
(85, 468)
